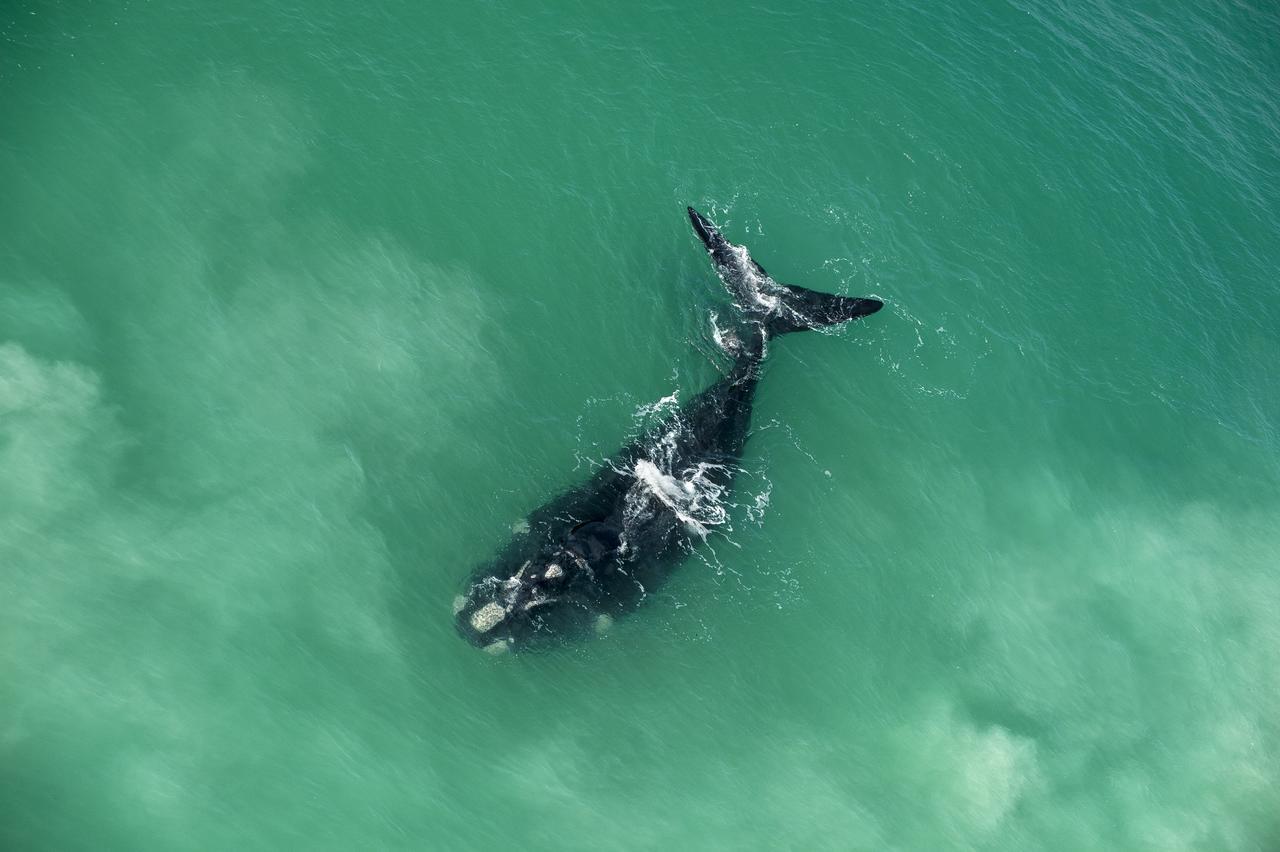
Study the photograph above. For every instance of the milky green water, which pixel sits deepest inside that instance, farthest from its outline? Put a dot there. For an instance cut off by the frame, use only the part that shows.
(304, 306)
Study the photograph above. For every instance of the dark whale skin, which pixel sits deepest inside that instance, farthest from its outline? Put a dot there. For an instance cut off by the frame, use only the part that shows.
(595, 552)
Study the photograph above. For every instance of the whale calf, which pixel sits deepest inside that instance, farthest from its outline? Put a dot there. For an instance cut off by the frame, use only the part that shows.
(595, 552)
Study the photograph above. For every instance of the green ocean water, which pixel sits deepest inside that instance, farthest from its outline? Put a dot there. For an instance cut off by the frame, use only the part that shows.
(304, 306)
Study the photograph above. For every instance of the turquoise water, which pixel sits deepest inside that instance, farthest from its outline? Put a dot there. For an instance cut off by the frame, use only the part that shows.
(303, 307)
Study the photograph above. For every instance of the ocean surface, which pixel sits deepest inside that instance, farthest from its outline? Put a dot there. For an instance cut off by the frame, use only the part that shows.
(304, 307)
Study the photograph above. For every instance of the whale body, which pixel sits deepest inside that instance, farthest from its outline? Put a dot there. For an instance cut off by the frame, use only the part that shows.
(594, 553)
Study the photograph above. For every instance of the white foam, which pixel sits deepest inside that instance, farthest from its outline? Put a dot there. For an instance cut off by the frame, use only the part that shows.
(694, 498)
(726, 339)
(761, 503)
(757, 287)
(668, 402)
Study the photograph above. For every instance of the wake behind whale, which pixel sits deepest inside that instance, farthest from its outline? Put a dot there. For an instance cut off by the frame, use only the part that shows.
(595, 552)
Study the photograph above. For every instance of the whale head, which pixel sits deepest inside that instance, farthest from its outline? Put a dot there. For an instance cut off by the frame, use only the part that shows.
(513, 607)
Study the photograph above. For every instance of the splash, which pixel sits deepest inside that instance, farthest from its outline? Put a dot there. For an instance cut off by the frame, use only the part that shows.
(760, 504)
(694, 497)
(758, 287)
(670, 402)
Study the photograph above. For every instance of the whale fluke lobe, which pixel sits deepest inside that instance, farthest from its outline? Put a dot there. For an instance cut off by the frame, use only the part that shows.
(721, 250)
(703, 227)
(781, 308)
(808, 309)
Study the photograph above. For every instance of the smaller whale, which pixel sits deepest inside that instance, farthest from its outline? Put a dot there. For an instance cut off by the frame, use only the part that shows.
(596, 552)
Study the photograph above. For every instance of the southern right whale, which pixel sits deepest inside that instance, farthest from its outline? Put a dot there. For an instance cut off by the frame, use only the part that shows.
(596, 551)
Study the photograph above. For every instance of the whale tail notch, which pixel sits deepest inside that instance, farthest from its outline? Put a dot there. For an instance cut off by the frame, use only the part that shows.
(781, 308)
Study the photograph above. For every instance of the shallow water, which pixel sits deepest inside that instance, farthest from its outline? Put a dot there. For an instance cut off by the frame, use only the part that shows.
(303, 308)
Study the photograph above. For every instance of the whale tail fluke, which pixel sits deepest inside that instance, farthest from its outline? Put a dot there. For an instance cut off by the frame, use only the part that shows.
(804, 309)
(781, 308)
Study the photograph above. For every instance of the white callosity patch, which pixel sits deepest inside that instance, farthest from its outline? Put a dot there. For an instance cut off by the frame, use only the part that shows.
(488, 616)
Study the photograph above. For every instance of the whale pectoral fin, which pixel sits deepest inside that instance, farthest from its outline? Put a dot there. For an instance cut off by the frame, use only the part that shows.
(806, 309)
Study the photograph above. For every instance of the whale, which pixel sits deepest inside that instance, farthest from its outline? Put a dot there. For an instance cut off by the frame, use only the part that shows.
(596, 552)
